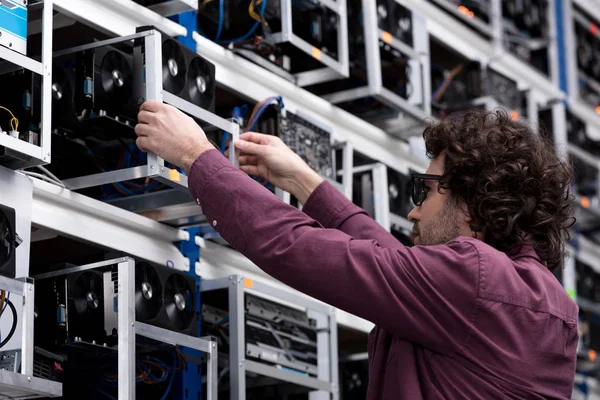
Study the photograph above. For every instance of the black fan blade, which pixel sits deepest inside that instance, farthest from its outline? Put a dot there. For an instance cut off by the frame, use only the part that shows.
(148, 292)
(179, 301)
(88, 288)
(174, 68)
(116, 77)
(199, 83)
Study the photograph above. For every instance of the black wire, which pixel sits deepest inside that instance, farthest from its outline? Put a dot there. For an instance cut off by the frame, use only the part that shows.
(14, 324)
(11, 238)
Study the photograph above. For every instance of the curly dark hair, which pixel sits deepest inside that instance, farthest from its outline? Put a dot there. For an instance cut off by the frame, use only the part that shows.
(515, 187)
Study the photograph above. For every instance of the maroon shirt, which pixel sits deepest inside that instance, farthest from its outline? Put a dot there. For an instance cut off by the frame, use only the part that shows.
(455, 321)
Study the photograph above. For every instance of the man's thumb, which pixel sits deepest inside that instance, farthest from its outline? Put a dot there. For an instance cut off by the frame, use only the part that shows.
(250, 148)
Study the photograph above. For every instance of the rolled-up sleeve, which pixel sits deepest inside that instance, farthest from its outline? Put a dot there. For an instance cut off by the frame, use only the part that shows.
(423, 294)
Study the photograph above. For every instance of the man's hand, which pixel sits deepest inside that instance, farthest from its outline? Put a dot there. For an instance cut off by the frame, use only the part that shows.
(170, 134)
(268, 157)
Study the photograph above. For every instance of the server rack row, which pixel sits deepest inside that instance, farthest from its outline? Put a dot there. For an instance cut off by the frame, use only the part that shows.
(370, 173)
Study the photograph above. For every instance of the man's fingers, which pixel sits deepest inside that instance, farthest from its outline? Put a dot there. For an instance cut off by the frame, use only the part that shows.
(151, 106)
(248, 160)
(142, 129)
(145, 117)
(142, 143)
(255, 137)
(250, 169)
(250, 148)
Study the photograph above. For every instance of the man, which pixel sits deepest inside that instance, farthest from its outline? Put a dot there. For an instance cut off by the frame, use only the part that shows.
(471, 311)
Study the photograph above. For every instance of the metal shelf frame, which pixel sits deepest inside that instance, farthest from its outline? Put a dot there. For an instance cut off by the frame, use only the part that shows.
(151, 89)
(418, 105)
(327, 380)
(24, 385)
(457, 36)
(333, 69)
(22, 153)
(128, 328)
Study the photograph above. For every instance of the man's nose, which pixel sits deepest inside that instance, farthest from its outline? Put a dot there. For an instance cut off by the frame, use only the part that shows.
(413, 214)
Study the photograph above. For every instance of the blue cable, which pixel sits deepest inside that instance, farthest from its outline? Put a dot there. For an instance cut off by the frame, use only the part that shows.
(264, 107)
(252, 30)
(172, 375)
(221, 18)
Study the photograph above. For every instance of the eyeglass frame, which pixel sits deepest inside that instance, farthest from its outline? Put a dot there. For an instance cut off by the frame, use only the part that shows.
(421, 178)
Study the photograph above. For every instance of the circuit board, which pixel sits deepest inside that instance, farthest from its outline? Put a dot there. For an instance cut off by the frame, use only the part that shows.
(310, 142)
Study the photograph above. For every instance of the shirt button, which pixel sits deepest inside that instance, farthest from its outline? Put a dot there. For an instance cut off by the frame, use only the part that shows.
(215, 223)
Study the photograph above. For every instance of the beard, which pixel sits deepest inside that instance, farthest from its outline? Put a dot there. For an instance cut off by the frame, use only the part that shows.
(441, 228)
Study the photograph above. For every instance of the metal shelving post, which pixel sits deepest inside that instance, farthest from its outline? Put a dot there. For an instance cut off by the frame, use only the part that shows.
(150, 53)
(128, 328)
(24, 384)
(22, 151)
(326, 383)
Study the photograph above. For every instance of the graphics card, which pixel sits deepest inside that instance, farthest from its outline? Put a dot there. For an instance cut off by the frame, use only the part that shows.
(275, 334)
(310, 142)
(82, 306)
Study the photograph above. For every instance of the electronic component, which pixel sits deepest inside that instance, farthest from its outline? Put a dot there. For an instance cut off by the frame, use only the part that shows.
(459, 84)
(13, 25)
(354, 376)
(476, 14)
(586, 36)
(82, 306)
(275, 334)
(399, 193)
(526, 32)
(386, 71)
(311, 142)
(312, 41)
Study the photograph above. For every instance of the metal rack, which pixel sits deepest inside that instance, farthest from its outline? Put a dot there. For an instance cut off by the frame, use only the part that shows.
(333, 68)
(21, 151)
(24, 385)
(237, 286)
(128, 328)
(418, 105)
(151, 89)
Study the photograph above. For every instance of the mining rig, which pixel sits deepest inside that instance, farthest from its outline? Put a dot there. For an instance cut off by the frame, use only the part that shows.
(304, 41)
(583, 42)
(121, 327)
(388, 78)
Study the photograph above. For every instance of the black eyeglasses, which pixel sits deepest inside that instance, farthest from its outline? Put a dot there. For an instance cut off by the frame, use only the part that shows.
(418, 186)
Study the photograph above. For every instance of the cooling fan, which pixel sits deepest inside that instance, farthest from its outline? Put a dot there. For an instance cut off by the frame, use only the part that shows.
(399, 193)
(115, 77)
(63, 96)
(173, 67)
(87, 295)
(148, 292)
(179, 301)
(200, 83)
